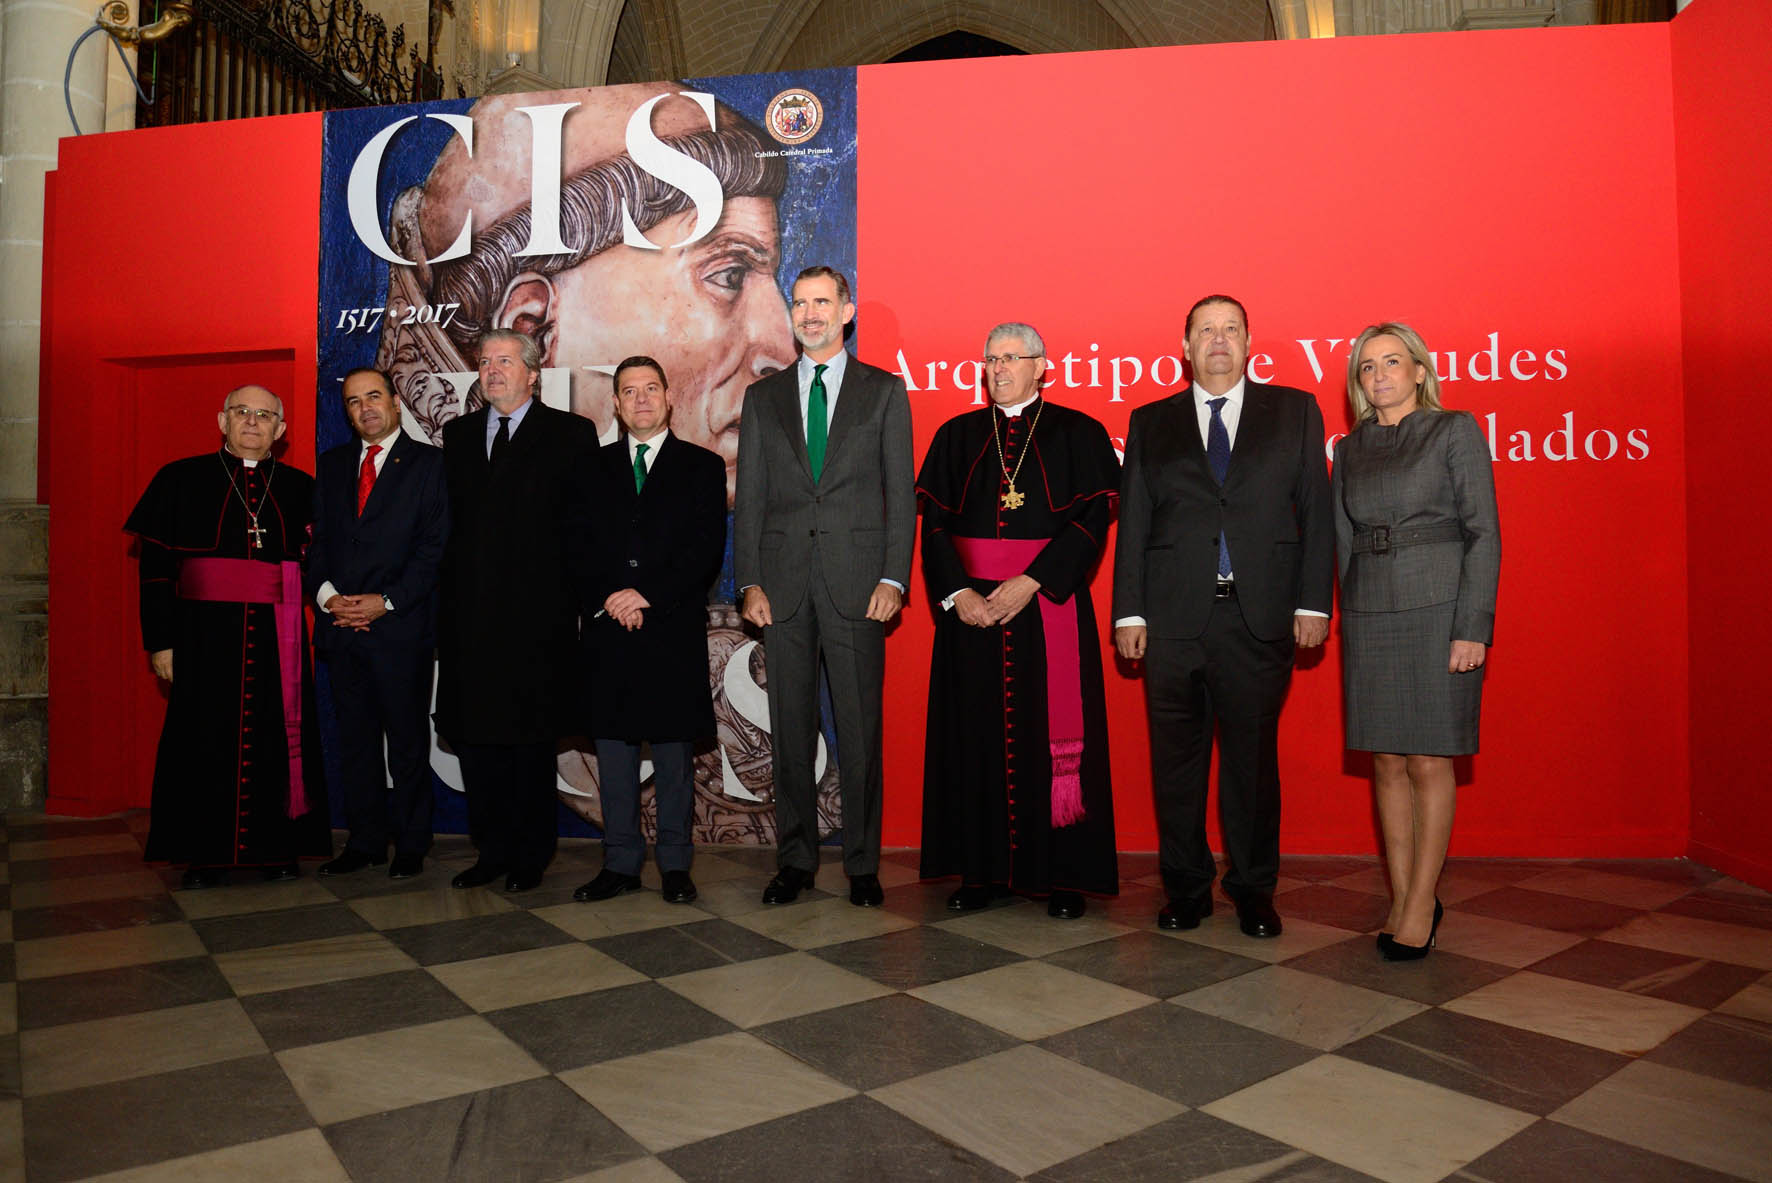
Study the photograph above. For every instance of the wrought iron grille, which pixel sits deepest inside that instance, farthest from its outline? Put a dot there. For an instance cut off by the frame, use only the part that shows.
(241, 58)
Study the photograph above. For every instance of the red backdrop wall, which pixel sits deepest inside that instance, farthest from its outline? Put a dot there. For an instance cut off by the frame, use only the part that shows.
(1513, 188)
(1511, 194)
(1722, 54)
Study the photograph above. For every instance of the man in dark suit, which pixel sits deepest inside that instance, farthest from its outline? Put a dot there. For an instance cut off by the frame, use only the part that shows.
(508, 676)
(381, 518)
(1224, 563)
(823, 525)
(657, 540)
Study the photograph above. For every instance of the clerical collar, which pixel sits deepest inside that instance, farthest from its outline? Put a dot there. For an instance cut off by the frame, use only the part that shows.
(1014, 411)
(243, 460)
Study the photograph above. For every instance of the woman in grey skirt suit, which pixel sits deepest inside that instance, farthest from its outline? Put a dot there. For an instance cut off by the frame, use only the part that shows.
(1419, 552)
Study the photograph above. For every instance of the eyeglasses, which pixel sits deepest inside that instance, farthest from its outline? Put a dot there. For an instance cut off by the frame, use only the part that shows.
(252, 414)
(1009, 359)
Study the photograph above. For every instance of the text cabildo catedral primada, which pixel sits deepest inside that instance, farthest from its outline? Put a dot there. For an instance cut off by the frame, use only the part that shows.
(1554, 436)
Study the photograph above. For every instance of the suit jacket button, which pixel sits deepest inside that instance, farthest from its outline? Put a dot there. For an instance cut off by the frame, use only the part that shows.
(812, 533)
(633, 562)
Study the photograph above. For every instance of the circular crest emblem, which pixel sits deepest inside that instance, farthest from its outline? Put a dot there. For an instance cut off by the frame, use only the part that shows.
(795, 116)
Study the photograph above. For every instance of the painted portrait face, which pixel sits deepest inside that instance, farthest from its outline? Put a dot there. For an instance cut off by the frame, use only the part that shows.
(709, 311)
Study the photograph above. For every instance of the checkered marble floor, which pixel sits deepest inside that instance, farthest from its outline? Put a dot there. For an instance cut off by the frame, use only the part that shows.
(1590, 1020)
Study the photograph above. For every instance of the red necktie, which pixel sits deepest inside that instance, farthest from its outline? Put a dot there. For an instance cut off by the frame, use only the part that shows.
(366, 477)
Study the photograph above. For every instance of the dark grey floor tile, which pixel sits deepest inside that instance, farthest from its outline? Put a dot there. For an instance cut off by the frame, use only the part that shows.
(355, 1006)
(1198, 1146)
(1320, 903)
(1662, 870)
(1179, 1053)
(1671, 976)
(874, 1043)
(1724, 1046)
(1436, 978)
(1154, 964)
(1507, 1065)
(5, 891)
(908, 856)
(534, 1130)
(1137, 905)
(256, 930)
(856, 1140)
(571, 1032)
(1547, 1152)
(109, 862)
(684, 948)
(93, 916)
(103, 994)
(8, 962)
(659, 952)
(474, 937)
(1317, 868)
(732, 941)
(11, 1082)
(913, 957)
(1541, 909)
(1726, 907)
(86, 1131)
(67, 827)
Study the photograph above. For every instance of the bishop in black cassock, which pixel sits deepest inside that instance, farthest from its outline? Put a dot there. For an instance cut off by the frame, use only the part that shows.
(238, 779)
(1016, 788)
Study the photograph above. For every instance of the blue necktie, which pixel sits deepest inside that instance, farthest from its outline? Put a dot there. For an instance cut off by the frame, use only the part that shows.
(1218, 458)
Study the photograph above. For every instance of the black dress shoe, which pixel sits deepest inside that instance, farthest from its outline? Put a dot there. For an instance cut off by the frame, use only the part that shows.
(1184, 913)
(864, 891)
(349, 861)
(606, 886)
(522, 881)
(280, 872)
(678, 887)
(1066, 905)
(404, 866)
(969, 898)
(200, 877)
(1256, 916)
(787, 885)
(478, 875)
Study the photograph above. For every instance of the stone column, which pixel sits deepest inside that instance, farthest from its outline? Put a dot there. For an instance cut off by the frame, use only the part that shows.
(35, 37)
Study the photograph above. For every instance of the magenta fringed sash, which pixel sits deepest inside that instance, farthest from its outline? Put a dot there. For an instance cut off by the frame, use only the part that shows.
(1005, 558)
(249, 581)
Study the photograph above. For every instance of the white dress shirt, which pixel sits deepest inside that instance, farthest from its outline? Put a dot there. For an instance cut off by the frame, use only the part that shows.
(1232, 415)
(327, 591)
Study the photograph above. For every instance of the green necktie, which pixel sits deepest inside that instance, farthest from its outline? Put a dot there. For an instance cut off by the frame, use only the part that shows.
(817, 421)
(640, 466)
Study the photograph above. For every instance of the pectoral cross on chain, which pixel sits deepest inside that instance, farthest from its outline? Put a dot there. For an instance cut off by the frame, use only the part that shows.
(258, 535)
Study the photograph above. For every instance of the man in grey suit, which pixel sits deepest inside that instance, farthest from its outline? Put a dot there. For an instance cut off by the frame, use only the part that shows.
(822, 531)
(1224, 563)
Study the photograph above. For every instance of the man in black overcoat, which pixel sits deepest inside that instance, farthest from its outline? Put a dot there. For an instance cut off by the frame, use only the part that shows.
(507, 637)
(658, 536)
(381, 517)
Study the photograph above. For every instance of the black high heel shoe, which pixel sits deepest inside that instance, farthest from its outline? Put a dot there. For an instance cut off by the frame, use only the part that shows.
(1392, 949)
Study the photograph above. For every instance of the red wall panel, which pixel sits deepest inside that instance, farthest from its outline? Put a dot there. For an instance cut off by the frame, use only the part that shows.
(1722, 56)
(181, 264)
(1506, 191)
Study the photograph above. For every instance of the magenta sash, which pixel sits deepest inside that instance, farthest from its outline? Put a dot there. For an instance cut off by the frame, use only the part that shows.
(250, 581)
(1005, 558)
